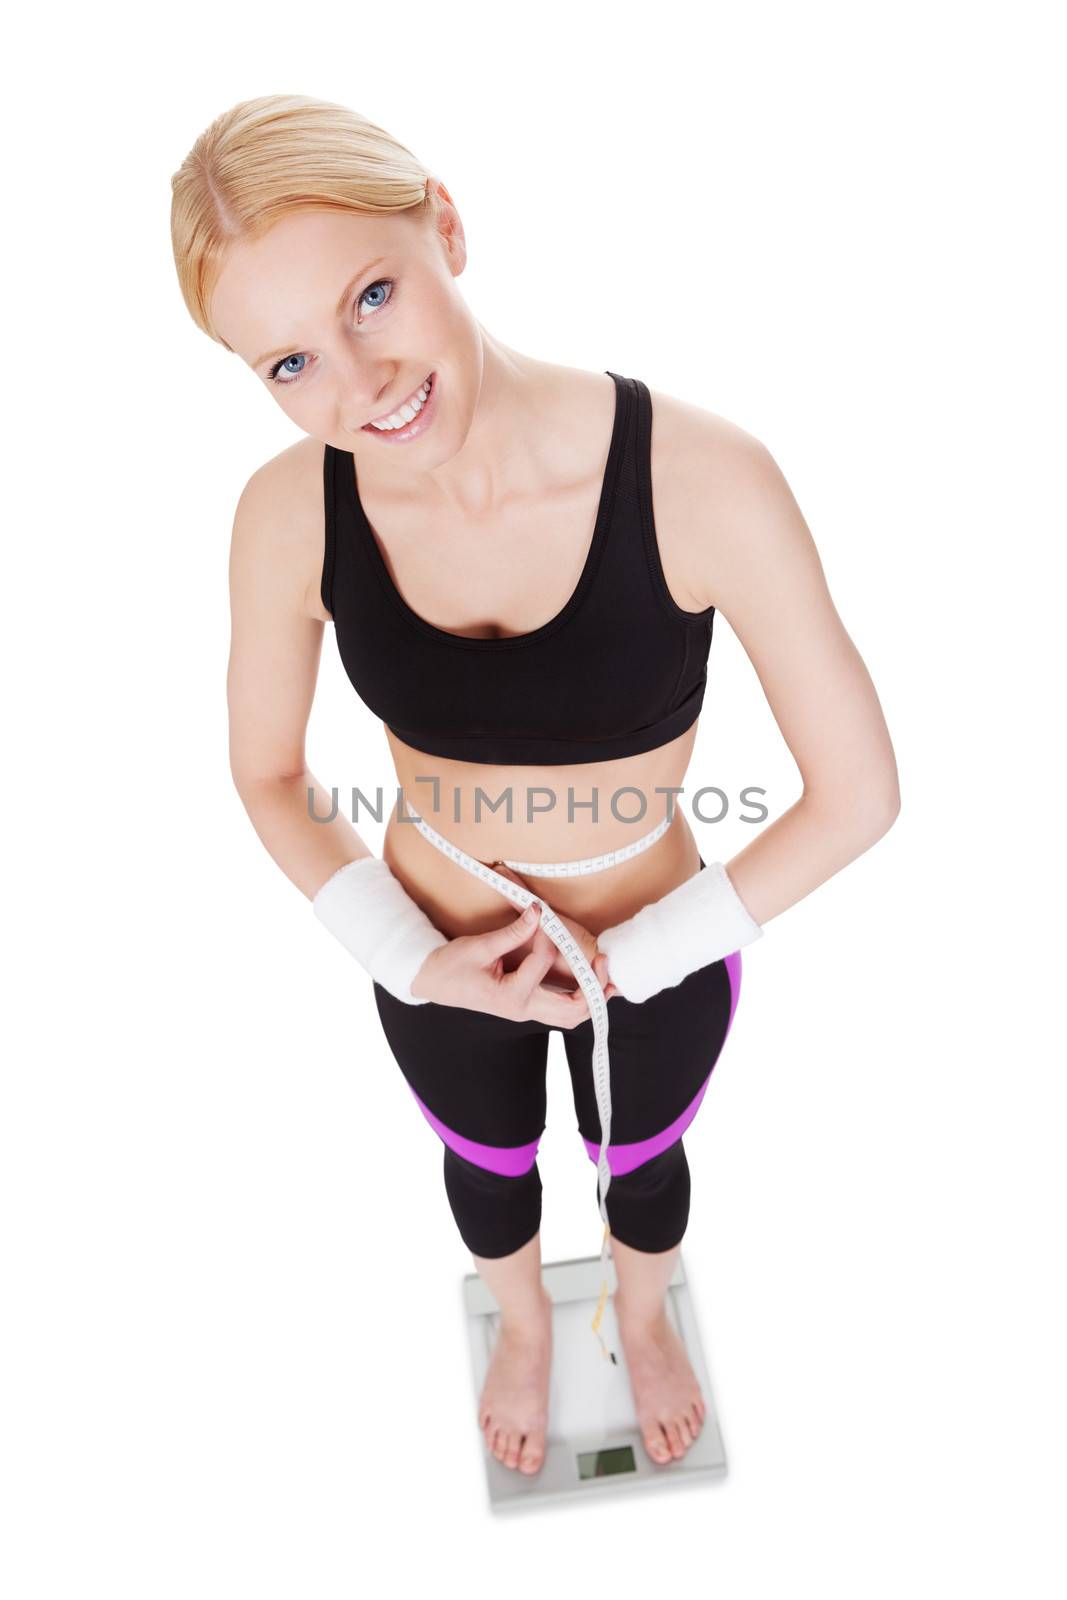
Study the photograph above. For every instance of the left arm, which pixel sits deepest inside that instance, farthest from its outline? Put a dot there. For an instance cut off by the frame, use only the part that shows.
(760, 568)
(758, 565)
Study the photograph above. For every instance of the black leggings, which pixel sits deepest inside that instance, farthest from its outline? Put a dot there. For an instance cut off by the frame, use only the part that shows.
(480, 1082)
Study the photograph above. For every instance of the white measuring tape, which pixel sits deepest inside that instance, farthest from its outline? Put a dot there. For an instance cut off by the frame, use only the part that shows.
(587, 979)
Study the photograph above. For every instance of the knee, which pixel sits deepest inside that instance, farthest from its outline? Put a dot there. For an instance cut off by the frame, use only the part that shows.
(648, 1208)
(495, 1215)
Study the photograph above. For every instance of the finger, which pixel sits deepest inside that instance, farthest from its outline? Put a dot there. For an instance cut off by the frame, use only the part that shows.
(528, 974)
(562, 1010)
(499, 940)
(559, 963)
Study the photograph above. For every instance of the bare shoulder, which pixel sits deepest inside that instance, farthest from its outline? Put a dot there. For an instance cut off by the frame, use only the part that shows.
(738, 538)
(279, 524)
(703, 468)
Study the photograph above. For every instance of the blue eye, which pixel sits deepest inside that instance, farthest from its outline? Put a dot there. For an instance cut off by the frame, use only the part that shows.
(278, 365)
(380, 284)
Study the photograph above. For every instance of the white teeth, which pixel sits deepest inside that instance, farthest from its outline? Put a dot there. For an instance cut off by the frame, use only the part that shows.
(410, 409)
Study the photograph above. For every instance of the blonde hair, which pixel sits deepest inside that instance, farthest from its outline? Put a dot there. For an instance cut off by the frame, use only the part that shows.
(267, 158)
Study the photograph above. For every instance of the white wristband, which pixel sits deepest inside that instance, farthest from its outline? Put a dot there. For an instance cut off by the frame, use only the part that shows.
(698, 923)
(369, 910)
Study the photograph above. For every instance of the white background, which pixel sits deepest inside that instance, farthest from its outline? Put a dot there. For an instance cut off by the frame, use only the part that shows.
(234, 1359)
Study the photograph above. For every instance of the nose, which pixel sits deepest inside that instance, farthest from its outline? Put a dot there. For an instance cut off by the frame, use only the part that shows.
(364, 395)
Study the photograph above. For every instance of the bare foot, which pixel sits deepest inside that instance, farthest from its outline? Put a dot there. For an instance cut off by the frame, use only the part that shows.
(670, 1406)
(513, 1409)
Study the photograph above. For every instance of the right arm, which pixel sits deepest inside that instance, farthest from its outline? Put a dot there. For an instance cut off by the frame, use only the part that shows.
(275, 649)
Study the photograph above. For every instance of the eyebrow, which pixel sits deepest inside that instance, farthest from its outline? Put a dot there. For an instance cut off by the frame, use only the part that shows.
(349, 286)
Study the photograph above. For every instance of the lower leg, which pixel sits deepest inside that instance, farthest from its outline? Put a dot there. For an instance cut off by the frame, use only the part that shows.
(515, 1283)
(492, 1211)
(670, 1406)
(643, 1278)
(652, 1204)
(649, 1206)
(513, 1405)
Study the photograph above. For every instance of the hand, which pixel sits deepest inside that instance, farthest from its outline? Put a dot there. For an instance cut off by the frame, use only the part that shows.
(560, 972)
(470, 971)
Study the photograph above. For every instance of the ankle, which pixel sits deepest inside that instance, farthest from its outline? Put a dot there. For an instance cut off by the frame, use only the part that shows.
(527, 1317)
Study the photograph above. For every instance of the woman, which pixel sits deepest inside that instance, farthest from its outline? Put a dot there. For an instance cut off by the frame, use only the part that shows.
(479, 527)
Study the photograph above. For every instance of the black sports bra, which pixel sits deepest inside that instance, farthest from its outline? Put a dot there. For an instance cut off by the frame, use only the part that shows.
(620, 670)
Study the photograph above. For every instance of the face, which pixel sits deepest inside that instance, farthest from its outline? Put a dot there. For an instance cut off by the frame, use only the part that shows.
(343, 316)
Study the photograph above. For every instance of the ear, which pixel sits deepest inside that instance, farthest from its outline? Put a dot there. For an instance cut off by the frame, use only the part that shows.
(448, 225)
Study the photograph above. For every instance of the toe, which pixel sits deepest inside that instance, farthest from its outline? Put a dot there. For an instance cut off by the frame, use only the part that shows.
(675, 1438)
(533, 1455)
(656, 1444)
(511, 1452)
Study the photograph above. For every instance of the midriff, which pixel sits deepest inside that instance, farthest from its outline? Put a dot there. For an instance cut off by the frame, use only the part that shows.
(458, 903)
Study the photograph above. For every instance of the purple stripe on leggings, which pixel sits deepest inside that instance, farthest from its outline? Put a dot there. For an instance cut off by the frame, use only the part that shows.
(625, 1157)
(511, 1161)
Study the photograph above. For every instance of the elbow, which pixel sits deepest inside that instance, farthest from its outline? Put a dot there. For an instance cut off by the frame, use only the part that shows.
(868, 814)
(245, 787)
(252, 788)
(880, 812)
(243, 780)
(249, 779)
(886, 817)
(890, 800)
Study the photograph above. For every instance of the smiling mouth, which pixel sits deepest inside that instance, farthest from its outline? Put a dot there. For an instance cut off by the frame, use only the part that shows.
(406, 413)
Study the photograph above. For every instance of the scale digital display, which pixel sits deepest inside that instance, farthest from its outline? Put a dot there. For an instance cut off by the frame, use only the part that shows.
(607, 1463)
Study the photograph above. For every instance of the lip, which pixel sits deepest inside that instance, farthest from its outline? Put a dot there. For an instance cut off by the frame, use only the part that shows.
(416, 427)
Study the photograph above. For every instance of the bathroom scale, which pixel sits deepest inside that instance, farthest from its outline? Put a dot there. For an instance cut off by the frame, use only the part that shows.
(593, 1444)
